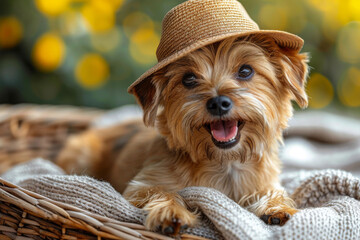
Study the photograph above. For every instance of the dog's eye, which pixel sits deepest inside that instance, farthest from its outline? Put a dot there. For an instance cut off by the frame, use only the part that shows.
(245, 72)
(189, 80)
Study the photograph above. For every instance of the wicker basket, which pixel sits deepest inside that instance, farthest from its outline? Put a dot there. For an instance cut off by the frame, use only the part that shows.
(26, 215)
(29, 131)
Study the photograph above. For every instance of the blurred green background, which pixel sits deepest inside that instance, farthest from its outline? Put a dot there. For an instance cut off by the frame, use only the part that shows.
(87, 52)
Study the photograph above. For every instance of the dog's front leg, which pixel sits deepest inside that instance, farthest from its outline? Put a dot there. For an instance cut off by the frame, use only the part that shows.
(274, 206)
(166, 210)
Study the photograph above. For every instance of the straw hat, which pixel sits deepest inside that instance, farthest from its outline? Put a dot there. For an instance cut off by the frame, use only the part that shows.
(197, 23)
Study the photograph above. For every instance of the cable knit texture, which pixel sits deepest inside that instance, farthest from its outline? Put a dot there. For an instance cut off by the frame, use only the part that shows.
(329, 202)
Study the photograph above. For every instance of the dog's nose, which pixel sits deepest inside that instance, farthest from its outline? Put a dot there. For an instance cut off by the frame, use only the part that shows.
(219, 105)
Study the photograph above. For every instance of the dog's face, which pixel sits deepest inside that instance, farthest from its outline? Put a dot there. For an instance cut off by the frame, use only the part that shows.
(227, 101)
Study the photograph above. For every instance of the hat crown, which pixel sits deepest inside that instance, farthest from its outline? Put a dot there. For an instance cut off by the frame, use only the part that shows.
(195, 21)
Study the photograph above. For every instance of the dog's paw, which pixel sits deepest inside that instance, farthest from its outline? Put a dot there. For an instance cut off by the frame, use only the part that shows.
(278, 217)
(173, 227)
(170, 220)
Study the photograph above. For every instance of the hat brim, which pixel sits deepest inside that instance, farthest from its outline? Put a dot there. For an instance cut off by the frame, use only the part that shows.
(283, 39)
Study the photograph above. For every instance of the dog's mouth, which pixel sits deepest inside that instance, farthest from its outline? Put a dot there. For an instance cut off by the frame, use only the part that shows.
(225, 133)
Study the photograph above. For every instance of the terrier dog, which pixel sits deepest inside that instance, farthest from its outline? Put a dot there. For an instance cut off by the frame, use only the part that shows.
(219, 113)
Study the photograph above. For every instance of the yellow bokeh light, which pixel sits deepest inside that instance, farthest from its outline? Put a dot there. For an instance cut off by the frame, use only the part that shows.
(11, 32)
(136, 20)
(354, 9)
(106, 41)
(100, 15)
(92, 71)
(48, 52)
(143, 44)
(347, 11)
(348, 45)
(273, 17)
(52, 8)
(140, 30)
(336, 14)
(349, 88)
(320, 91)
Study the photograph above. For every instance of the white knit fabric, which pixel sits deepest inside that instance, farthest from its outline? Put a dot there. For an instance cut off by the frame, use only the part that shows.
(329, 200)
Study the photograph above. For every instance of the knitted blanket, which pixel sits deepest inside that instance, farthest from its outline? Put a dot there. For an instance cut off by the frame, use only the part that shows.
(328, 199)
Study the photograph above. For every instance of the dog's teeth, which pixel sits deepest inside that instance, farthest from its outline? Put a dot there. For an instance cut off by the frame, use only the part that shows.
(228, 140)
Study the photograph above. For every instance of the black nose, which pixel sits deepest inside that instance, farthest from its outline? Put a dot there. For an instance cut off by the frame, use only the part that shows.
(218, 106)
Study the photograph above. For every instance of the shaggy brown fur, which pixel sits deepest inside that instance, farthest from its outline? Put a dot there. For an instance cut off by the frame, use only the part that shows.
(150, 165)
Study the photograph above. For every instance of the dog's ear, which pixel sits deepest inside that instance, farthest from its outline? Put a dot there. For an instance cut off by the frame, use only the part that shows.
(148, 94)
(294, 73)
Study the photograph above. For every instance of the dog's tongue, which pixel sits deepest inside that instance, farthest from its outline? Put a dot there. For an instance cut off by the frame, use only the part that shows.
(223, 131)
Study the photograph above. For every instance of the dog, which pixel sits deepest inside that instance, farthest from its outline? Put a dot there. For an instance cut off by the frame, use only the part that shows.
(219, 112)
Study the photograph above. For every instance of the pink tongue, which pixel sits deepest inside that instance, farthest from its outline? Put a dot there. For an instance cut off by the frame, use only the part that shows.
(224, 130)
